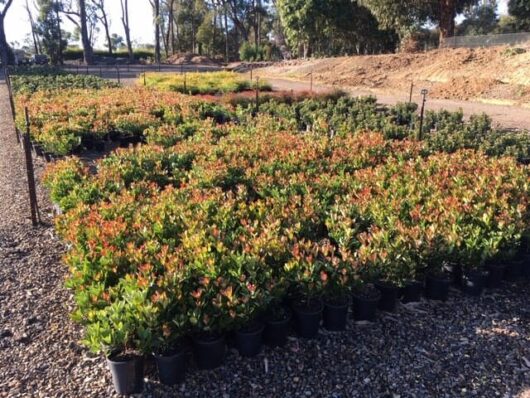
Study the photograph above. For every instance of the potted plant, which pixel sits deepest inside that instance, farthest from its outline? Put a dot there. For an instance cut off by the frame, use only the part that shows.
(168, 327)
(121, 332)
(251, 297)
(304, 273)
(336, 277)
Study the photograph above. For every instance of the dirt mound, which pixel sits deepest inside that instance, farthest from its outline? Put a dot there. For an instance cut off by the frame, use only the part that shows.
(188, 58)
(465, 74)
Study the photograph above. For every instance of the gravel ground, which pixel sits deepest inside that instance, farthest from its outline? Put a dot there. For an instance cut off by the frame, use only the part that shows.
(466, 347)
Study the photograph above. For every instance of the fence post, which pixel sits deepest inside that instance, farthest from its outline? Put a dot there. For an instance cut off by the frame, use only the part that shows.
(35, 216)
(11, 100)
(411, 88)
(424, 94)
(311, 83)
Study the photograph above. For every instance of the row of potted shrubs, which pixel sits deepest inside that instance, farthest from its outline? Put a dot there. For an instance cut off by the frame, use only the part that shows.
(69, 121)
(206, 236)
(273, 328)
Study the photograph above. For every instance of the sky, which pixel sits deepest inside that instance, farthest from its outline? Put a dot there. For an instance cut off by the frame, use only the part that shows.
(140, 19)
(140, 15)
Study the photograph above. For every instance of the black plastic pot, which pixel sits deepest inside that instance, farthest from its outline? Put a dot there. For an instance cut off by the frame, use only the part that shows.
(209, 351)
(277, 330)
(335, 314)
(172, 367)
(389, 295)
(38, 149)
(456, 273)
(411, 292)
(437, 286)
(99, 146)
(526, 268)
(249, 341)
(365, 304)
(307, 318)
(514, 270)
(495, 275)
(473, 282)
(127, 373)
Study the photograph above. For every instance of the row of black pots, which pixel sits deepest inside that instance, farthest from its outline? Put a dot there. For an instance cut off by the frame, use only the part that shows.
(210, 350)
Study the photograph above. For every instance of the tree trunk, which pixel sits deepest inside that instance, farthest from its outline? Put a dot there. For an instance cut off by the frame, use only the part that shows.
(447, 19)
(157, 31)
(125, 22)
(105, 23)
(226, 36)
(5, 51)
(59, 34)
(85, 39)
(33, 33)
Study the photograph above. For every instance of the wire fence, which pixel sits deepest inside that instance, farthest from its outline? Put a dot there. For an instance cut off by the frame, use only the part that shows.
(510, 39)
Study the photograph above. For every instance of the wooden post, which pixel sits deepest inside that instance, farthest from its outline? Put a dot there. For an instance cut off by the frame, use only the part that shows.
(251, 68)
(411, 88)
(311, 83)
(185, 83)
(35, 216)
(11, 100)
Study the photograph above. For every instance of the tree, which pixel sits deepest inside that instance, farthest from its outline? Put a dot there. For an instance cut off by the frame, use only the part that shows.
(332, 27)
(407, 16)
(5, 51)
(77, 13)
(126, 27)
(480, 19)
(101, 15)
(520, 10)
(49, 29)
(34, 35)
(156, 19)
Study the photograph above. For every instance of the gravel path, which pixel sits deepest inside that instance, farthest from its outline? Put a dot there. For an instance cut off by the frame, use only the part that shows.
(463, 348)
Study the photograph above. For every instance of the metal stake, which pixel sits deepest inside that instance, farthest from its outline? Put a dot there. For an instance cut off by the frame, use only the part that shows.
(411, 88)
(424, 94)
(35, 215)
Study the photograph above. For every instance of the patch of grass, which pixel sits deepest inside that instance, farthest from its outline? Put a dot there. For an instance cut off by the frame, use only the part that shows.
(202, 83)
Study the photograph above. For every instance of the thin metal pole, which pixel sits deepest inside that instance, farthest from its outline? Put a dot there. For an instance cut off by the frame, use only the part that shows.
(311, 83)
(35, 215)
(411, 88)
(257, 95)
(185, 83)
(424, 94)
(11, 100)
(145, 83)
(251, 70)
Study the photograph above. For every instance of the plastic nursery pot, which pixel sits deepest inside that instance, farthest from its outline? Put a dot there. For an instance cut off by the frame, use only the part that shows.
(335, 314)
(473, 282)
(249, 340)
(277, 329)
(514, 270)
(307, 317)
(526, 268)
(437, 286)
(456, 273)
(495, 275)
(172, 366)
(411, 292)
(209, 350)
(127, 373)
(389, 295)
(99, 146)
(365, 302)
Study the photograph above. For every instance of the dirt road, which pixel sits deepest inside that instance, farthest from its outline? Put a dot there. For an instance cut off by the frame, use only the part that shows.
(509, 117)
